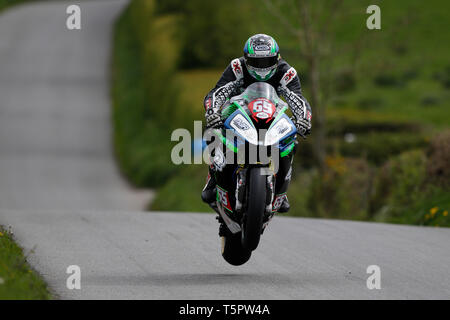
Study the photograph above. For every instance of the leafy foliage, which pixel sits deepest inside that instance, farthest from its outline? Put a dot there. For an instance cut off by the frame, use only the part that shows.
(388, 94)
(438, 165)
(213, 32)
(142, 103)
(404, 194)
(343, 191)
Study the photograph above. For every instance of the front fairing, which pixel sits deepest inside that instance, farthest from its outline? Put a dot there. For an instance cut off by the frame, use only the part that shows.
(281, 132)
(242, 126)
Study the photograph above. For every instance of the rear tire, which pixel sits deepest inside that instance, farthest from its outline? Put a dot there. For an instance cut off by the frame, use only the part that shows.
(232, 250)
(253, 219)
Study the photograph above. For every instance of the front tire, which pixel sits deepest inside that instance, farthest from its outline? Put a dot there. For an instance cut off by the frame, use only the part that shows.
(256, 205)
(232, 250)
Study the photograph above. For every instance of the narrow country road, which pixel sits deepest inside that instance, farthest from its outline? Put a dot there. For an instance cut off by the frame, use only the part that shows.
(62, 195)
(55, 135)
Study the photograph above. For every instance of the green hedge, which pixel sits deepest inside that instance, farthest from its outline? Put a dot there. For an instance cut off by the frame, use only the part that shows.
(378, 147)
(404, 194)
(143, 95)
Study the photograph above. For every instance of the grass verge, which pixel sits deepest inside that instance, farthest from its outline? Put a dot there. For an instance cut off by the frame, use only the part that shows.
(7, 3)
(17, 280)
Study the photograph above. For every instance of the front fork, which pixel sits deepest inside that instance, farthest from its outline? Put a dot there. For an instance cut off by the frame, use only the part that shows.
(241, 195)
(241, 192)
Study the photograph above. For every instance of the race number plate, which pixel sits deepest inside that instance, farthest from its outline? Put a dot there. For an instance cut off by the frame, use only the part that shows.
(261, 108)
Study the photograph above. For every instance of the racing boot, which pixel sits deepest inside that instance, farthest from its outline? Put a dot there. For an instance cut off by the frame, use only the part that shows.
(223, 229)
(282, 183)
(209, 191)
(285, 206)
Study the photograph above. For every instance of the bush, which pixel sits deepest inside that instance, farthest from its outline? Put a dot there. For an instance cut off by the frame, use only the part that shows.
(399, 180)
(345, 81)
(404, 194)
(370, 102)
(400, 191)
(378, 147)
(443, 77)
(400, 49)
(343, 190)
(388, 80)
(365, 122)
(170, 6)
(377, 137)
(430, 100)
(434, 211)
(438, 164)
(411, 74)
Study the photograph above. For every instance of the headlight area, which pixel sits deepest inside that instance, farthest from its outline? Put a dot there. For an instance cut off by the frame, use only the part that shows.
(244, 128)
(278, 131)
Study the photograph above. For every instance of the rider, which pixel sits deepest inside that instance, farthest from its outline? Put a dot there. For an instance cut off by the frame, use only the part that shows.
(261, 62)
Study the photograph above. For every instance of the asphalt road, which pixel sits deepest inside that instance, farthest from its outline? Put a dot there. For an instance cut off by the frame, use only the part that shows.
(55, 127)
(61, 193)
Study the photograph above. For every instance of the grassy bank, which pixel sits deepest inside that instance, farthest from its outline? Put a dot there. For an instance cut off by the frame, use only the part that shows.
(17, 280)
(7, 3)
(387, 114)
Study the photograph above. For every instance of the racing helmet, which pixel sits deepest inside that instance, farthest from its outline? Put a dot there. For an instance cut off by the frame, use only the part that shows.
(261, 55)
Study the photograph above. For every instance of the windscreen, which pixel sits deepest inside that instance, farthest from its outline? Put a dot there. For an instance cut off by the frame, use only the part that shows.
(261, 90)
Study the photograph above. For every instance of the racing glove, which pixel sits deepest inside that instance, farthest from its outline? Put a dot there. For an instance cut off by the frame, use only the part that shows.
(301, 111)
(219, 97)
(213, 119)
(303, 126)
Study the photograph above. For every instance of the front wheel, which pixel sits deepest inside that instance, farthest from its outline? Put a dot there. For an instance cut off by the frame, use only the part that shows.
(232, 250)
(256, 204)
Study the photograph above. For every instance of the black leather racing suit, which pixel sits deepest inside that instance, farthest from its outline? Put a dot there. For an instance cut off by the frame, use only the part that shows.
(287, 83)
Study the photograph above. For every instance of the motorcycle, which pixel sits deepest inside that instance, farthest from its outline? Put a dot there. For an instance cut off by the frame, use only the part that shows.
(256, 131)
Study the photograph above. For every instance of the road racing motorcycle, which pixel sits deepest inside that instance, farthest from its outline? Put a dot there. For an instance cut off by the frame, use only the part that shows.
(256, 131)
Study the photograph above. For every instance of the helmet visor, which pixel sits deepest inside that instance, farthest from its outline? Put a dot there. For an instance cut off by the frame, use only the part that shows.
(262, 63)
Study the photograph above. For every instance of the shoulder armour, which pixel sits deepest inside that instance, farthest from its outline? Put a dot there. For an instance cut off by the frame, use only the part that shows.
(236, 66)
(288, 76)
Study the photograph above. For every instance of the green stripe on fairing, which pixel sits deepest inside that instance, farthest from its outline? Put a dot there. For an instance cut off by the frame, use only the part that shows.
(227, 142)
(228, 111)
(280, 114)
(288, 150)
(245, 113)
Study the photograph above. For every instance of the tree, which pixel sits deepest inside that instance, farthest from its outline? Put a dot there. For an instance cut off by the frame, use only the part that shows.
(315, 25)
(212, 32)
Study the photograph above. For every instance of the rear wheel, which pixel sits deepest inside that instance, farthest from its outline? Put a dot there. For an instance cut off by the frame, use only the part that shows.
(256, 204)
